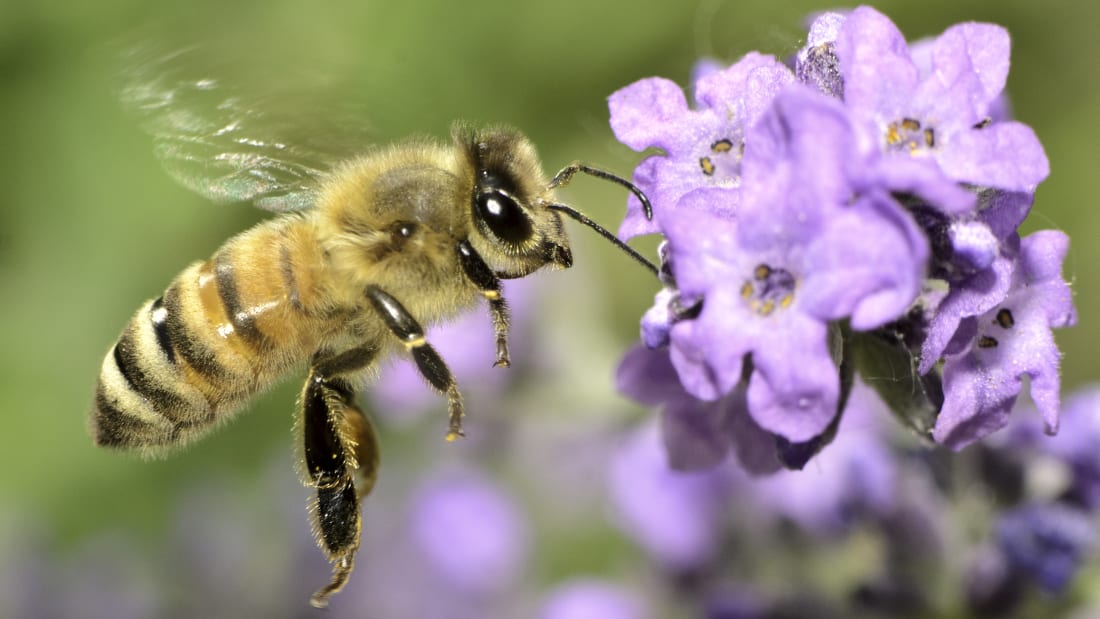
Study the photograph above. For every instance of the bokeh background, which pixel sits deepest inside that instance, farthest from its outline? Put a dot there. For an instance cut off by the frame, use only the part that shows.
(90, 226)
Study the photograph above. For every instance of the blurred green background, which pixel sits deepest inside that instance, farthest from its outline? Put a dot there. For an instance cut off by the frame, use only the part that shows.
(90, 226)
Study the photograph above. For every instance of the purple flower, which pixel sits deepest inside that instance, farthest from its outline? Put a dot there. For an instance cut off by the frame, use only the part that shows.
(702, 147)
(967, 298)
(940, 115)
(1006, 343)
(735, 603)
(992, 585)
(675, 516)
(1075, 445)
(940, 105)
(1048, 542)
(470, 532)
(977, 257)
(771, 281)
(875, 188)
(593, 599)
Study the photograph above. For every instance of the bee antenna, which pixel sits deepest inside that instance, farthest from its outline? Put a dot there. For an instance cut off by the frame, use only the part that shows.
(562, 178)
(581, 217)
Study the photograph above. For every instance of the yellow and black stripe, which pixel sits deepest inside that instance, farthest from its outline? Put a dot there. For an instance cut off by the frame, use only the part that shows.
(142, 399)
(224, 329)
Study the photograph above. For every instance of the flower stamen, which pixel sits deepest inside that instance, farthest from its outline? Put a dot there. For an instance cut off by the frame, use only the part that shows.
(908, 134)
(707, 165)
(1005, 319)
(768, 290)
(721, 159)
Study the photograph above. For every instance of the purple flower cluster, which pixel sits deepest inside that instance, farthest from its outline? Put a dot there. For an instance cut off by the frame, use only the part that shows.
(865, 194)
(1008, 525)
(1047, 541)
(1047, 538)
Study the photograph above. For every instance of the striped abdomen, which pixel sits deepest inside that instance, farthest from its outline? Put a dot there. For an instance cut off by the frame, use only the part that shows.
(223, 330)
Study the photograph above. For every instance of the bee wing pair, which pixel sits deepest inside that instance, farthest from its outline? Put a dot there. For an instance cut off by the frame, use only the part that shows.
(232, 144)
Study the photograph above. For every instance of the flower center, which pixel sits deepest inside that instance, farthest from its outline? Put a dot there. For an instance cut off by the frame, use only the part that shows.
(1003, 319)
(723, 158)
(768, 289)
(908, 134)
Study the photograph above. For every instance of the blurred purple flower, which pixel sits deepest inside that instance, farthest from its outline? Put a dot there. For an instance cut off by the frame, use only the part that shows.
(1075, 445)
(1047, 541)
(696, 434)
(675, 516)
(402, 395)
(593, 599)
(856, 476)
(738, 603)
(470, 532)
(992, 586)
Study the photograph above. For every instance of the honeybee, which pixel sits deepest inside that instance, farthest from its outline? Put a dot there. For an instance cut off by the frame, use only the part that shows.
(363, 257)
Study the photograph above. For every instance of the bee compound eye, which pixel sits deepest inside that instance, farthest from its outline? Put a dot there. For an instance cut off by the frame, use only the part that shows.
(503, 216)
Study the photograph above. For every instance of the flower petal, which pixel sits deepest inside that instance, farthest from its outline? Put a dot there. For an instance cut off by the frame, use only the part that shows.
(793, 390)
(1003, 155)
(746, 89)
(874, 280)
(642, 112)
(879, 73)
(986, 48)
(647, 377)
(973, 296)
(695, 434)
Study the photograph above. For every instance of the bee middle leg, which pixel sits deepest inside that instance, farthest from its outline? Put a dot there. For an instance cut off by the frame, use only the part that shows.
(428, 361)
(489, 284)
(341, 460)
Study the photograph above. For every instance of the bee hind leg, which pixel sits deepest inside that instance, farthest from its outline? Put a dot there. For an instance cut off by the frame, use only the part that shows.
(341, 461)
(428, 361)
(339, 541)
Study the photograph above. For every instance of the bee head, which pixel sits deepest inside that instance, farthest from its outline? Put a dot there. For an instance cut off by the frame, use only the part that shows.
(512, 227)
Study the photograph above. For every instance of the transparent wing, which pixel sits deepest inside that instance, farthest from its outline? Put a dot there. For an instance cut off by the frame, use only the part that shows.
(239, 140)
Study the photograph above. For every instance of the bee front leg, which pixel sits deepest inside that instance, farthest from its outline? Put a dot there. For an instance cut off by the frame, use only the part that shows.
(341, 460)
(489, 284)
(431, 365)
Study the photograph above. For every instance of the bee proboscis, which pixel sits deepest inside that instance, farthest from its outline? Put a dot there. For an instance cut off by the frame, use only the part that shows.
(362, 258)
